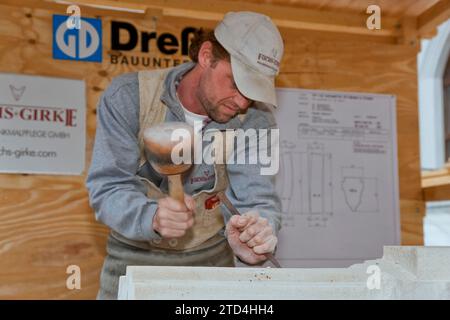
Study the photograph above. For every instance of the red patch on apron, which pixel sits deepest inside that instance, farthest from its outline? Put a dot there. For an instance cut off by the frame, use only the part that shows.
(212, 202)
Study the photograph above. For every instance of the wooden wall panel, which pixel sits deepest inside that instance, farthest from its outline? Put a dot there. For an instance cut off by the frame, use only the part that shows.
(46, 223)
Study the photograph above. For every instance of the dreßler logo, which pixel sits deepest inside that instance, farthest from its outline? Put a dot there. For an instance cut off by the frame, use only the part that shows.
(166, 43)
(83, 44)
(126, 38)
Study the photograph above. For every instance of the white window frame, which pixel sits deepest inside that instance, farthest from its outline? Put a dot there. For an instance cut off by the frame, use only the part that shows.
(432, 61)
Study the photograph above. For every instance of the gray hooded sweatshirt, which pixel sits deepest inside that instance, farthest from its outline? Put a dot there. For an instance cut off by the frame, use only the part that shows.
(115, 191)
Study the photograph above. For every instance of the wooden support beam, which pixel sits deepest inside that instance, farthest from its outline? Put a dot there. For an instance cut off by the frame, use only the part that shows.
(436, 184)
(59, 7)
(437, 193)
(296, 18)
(432, 17)
(284, 17)
(410, 36)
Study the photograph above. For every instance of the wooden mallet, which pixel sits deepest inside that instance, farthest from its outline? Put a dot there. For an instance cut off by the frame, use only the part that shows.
(160, 140)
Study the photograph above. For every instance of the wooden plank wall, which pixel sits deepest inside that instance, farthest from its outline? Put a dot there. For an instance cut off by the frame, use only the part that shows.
(46, 223)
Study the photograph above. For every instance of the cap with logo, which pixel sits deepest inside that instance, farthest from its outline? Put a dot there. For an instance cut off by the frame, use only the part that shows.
(256, 48)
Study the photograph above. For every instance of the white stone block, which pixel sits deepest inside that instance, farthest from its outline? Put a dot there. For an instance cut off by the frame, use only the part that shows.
(402, 273)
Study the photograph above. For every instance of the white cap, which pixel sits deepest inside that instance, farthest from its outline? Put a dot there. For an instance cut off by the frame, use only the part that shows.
(256, 48)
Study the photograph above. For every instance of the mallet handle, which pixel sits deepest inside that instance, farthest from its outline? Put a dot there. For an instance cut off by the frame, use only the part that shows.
(176, 187)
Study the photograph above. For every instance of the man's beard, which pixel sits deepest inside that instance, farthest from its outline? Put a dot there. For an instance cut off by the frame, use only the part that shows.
(212, 110)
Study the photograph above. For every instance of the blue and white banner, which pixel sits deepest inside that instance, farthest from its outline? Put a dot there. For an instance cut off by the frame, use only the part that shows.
(80, 41)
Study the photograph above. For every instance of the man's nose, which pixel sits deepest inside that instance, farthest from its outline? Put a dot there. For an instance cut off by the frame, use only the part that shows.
(242, 101)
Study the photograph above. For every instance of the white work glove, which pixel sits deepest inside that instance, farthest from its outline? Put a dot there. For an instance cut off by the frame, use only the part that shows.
(250, 236)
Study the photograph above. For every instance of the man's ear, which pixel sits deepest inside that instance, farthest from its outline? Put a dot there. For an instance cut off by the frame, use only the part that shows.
(205, 54)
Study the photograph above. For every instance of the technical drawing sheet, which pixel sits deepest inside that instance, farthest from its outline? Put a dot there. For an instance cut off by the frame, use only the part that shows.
(338, 177)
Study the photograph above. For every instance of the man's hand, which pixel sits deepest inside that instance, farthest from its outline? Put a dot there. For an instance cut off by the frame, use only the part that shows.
(250, 236)
(173, 218)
